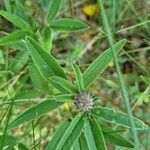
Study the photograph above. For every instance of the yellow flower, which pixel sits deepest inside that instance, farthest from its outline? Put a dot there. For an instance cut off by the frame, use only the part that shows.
(90, 10)
(68, 106)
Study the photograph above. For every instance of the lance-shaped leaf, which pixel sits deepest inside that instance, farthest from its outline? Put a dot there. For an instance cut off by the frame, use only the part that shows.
(34, 112)
(97, 134)
(113, 137)
(13, 37)
(19, 22)
(53, 9)
(63, 98)
(79, 79)
(113, 116)
(83, 142)
(58, 135)
(68, 25)
(100, 64)
(47, 39)
(71, 134)
(65, 84)
(46, 63)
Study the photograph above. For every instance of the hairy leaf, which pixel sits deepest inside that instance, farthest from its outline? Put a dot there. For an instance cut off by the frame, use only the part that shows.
(58, 135)
(19, 22)
(79, 78)
(100, 64)
(116, 117)
(53, 9)
(34, 112)
(113, 137)
(68, 25)
(13, 37)
(46, 63)
(71, 134)
(97, 134)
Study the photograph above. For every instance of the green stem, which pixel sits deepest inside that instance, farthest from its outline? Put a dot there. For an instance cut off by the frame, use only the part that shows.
(122, 84)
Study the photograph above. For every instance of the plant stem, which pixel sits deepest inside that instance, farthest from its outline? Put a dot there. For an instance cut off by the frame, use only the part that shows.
(122, 84)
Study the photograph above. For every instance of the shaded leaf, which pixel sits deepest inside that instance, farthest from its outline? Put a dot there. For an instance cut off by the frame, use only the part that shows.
(84, 145)
(13, 37)
(53, 9)
(34, 112)
(19, 22)
(100, 64)
(8, 141)
(68, 25)
(113, 116)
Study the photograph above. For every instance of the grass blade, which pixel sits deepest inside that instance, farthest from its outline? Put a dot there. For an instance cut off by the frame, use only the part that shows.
(19, 22)
(13, 37)
(34, 112)
(113, 116)
(100, 64)
(68, 25)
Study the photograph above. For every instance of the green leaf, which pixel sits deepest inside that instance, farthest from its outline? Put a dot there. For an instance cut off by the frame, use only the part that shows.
(47, 39)
(19, 22)
(113, 137)
(19, 61)
(46, 63)
(100, 64)
(13, 37)
(113, 116)
(97, 134)
(68, 25)
(53, 9)
(58, 135)
(8, 140)
(71, 134)
(34, 112)
(84, 145)
(63, 98)
(65, 84)
(79, 78)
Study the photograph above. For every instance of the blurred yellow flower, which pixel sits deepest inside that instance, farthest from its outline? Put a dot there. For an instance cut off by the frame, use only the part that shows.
(90, 10)
(68, 106)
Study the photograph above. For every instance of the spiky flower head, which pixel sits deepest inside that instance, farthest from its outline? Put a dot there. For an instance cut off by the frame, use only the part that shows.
(84, 101)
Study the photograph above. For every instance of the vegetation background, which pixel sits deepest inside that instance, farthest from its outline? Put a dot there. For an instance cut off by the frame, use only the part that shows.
(129, 19)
